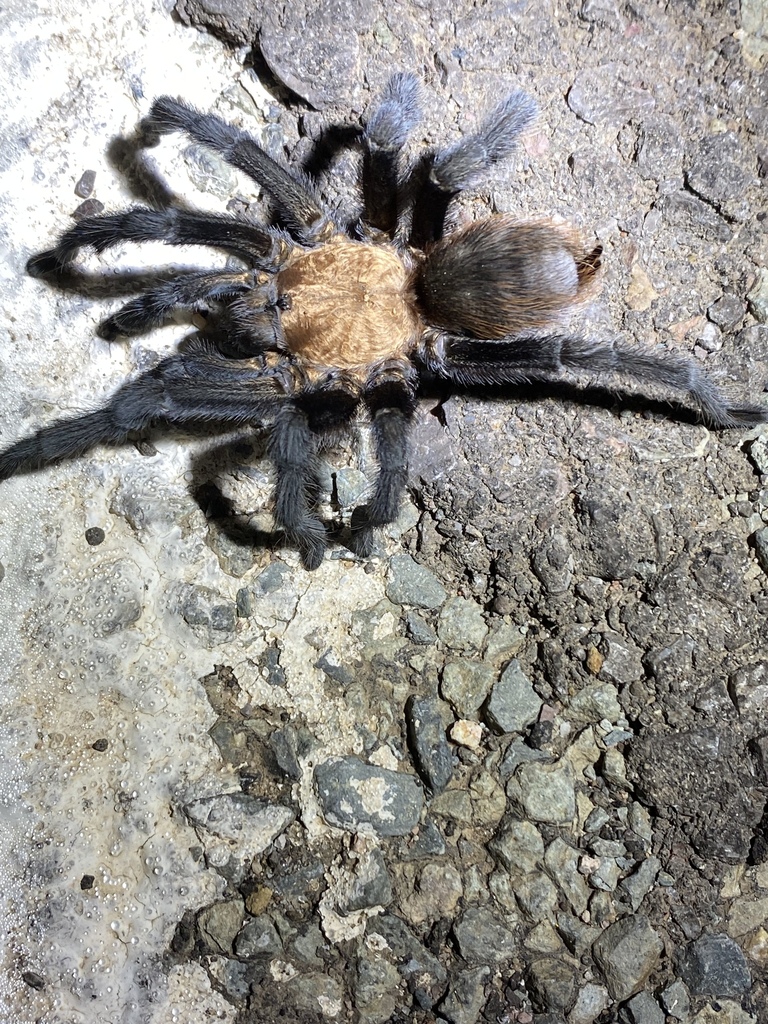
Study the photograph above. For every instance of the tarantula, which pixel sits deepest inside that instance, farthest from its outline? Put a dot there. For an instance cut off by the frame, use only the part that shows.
(318, 320)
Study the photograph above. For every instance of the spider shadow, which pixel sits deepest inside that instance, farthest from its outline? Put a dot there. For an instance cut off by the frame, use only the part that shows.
(233, 455)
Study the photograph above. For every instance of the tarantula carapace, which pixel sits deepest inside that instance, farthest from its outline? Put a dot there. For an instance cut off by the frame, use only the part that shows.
(319, 320)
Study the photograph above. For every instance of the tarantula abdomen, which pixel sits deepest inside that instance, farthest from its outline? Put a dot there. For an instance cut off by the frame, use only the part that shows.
(500, 276)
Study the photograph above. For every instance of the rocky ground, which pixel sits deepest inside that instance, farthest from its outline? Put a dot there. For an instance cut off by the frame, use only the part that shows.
(513, 767)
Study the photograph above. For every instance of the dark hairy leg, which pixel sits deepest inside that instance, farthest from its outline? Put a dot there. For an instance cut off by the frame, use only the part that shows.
(546, 358)
(389, 397)
(199, 385)
(293, 451)
(174, 227)
(291, 193)
(185, 292)
(455, 168)
(390, 122)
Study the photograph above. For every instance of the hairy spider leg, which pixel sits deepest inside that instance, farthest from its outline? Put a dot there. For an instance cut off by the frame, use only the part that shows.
(536, 357)
(198, 385)
(323, 405)
(255, 245)
(390, 399)
(449, 171)
(390, 122)
(290, 191)
(183, 292)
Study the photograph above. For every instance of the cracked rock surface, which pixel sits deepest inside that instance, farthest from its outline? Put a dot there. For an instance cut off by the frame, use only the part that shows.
(514, 766)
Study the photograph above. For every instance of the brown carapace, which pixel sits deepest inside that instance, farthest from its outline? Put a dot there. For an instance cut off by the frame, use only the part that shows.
(323, 320)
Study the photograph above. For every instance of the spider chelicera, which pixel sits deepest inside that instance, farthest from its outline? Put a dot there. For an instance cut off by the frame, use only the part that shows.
(317, 321)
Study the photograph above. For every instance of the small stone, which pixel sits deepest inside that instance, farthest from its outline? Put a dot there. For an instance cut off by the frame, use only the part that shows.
(419, 630)
(536, 897)
(426, 735)
(376, 983)
(465, 685)
(593, 703)
(466, 996)
(513, 703)
(352, 485)
(552, 984)
(553, 564)
(370, 886)
(461, 625)
(640, 294)
(639, 884)
(34, 980)
(218, 925)
(676, 1001)
(467, 734)
(85, 184)
(717, 173)
(94, 536)
(426, 841)
(715, 966)
(202, 606)
(438, 891)
(590, 1003)
(518, 846)
(250, 823)
(627, 953)
(411, 583)
(90, 208)
(757, 296)
(416, 963)
(727, 312)
(482, 937)
(643, 1009)
(561, 861)
(352, 794)
(547, 792)
(258, 937)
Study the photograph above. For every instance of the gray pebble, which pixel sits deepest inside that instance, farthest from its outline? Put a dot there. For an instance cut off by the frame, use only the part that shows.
(483, 937)
(518, 846)
(202, 606)
(627, 953)
(638, 885)
(371, 885)
(465, 685)
(461, 625)
(353, 794)
(717, 173)
(258, 937)
(715, 966)
(218, 925)
(547, 792)
(727, 312)
(425, 720)
(411, 583)
(419, 630)
(513, 703)
(643, 1009)
(676, 1001)
(466, 996)
(414, 961)
(552, 984)
(757, 297)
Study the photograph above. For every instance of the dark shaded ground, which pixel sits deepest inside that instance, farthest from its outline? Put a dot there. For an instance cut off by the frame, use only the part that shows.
(623, 543)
